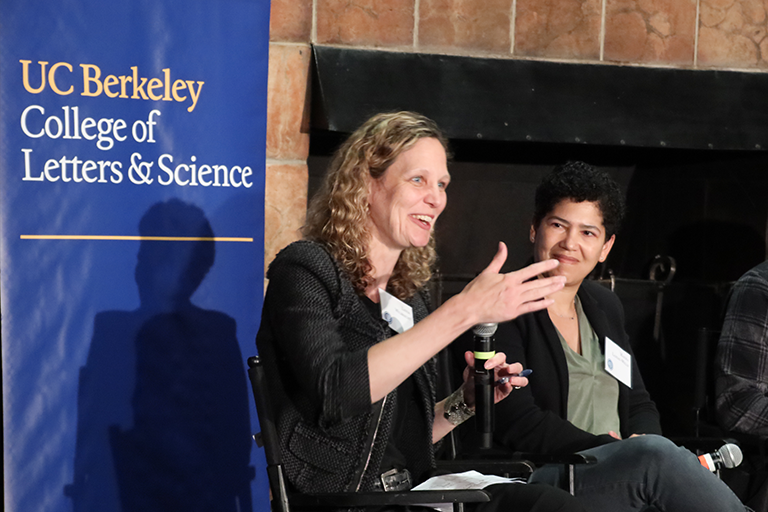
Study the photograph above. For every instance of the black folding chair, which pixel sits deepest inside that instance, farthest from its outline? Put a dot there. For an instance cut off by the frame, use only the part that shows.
(285, 499)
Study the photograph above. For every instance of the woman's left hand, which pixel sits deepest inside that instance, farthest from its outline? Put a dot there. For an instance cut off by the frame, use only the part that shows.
(499, 363)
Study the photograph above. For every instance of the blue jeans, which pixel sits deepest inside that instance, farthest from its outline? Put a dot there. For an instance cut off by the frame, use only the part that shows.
(644, 473)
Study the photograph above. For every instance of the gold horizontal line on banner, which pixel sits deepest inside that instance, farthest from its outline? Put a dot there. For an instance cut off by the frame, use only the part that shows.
(140, 238)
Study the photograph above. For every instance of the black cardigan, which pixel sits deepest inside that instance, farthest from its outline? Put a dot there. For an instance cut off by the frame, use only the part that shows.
(534, 418)
(314, 335)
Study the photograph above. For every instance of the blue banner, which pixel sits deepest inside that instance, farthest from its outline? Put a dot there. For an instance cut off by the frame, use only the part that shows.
(132, 150)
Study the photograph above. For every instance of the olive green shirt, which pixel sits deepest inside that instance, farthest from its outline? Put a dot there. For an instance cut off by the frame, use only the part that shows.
(593, 396)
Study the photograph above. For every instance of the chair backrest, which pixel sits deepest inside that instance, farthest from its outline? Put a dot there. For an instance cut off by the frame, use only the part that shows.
(450, 445)
(704, 382)
(268, 435)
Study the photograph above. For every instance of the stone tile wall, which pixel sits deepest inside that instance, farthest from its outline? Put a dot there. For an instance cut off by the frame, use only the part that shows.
(694, 34)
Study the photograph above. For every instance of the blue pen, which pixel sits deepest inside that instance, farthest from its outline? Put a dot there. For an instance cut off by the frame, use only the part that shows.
(523, 373)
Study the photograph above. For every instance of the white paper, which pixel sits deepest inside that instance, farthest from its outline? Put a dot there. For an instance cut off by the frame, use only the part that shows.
(395, 312)
(618, 362)
(459, 481)
(467, 480)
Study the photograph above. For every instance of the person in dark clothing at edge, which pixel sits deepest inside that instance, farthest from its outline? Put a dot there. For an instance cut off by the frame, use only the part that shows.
(357, 402)
(586, 393)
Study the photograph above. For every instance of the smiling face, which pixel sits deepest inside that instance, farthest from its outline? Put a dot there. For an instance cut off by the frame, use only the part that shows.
(572, 233)
(407, 199)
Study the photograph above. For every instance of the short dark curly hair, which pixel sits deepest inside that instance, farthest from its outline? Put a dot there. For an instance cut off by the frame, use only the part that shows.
(578, 182)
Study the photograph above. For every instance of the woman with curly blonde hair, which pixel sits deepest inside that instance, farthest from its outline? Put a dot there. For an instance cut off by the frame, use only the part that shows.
(338, 213)
(347, 335)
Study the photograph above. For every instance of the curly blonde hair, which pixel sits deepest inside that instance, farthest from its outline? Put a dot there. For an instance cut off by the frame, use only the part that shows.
(337, 215)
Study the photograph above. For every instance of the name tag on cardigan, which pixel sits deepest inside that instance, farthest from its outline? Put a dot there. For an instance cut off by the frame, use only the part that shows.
(395, 312)
(618, 362)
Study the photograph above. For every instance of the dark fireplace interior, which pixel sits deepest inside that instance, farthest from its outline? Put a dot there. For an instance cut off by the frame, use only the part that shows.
(685, 146)
(707, 210)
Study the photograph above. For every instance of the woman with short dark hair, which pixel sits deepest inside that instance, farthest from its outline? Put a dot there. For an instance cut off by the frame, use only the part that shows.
(586, 392)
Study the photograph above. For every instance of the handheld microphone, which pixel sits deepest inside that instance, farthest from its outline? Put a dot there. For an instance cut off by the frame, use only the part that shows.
(728, 456)
(484, 350)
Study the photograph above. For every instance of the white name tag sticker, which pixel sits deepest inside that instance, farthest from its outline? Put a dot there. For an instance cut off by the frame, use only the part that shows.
(618, 362)
(395, 312)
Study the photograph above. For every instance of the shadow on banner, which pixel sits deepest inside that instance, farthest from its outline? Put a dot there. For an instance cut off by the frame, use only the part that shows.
(163, 418)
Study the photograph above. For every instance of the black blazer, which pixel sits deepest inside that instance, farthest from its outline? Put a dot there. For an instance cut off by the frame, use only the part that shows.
(533, 419)
(314, 335)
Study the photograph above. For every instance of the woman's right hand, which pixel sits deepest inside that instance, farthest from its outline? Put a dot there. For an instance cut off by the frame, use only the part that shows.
(490, 297)
(496, 297)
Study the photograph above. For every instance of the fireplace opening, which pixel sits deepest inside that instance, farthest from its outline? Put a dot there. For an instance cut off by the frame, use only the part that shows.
(705, 210)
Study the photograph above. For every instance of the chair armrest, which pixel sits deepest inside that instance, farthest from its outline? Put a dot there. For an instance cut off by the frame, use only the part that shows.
(700, 445)
(530, 460)
(513, 467)
(364, 499)
(569, 458)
